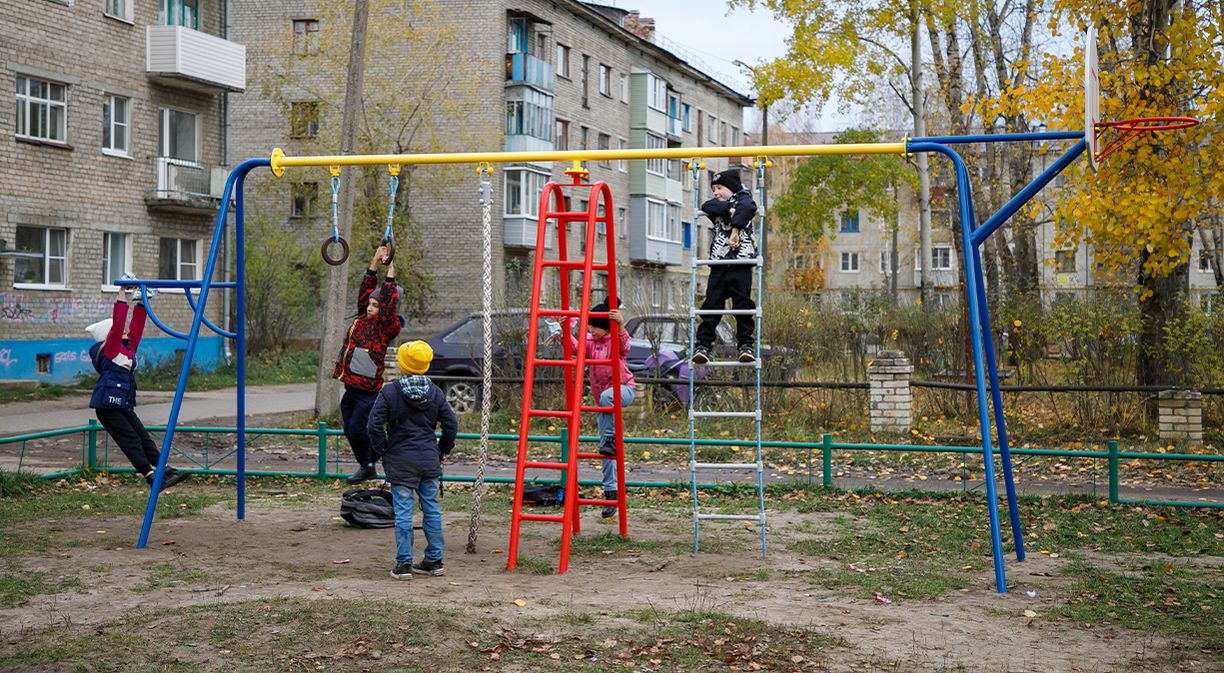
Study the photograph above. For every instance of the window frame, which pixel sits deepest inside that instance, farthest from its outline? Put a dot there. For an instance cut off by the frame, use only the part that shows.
(26, 104)
(622, 164)
(45, 257)
(124, 6)
(528, 194)
(850, 224)
(1063, 259)
(303, 191)
(605, 80)
(656, 166)
(853, 258)
(163, 132)
(109, 124)
(936, 264)
(886, 262)
(178, 259)
(657, 223)
(305, 41)
(561, 134)
(563, 61)
(107, 259)
(656, 92)
(603, 141)
(304, 119)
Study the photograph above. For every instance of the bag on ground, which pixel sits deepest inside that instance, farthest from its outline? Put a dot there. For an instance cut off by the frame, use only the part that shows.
(367, 508)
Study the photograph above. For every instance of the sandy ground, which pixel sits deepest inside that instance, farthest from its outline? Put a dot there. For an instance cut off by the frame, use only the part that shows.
(288, 545)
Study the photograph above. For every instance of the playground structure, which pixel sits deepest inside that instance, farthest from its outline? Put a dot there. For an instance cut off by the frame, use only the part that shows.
(972, 234)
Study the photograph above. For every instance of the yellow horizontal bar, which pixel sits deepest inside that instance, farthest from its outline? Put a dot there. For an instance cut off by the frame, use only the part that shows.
(280, 161)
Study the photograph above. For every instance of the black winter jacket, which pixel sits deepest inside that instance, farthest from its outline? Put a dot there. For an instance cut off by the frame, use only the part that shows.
(738, 212)
(402, 424)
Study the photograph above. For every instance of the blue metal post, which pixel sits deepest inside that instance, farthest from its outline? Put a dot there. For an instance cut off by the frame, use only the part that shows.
(240, 332)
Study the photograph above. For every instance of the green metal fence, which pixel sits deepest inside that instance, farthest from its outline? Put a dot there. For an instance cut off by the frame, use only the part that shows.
(91, 443)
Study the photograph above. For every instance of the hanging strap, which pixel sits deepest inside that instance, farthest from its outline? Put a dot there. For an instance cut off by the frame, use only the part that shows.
(388, 238)
(335, 238)
(485, 170)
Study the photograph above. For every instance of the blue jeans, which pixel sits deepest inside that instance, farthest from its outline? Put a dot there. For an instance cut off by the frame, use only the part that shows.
(431, 515)
(607, 431)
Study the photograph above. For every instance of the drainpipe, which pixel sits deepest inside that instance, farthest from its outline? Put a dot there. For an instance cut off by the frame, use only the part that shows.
(226, 160)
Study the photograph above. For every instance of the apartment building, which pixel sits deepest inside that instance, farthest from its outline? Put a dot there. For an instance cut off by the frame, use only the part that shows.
(536, 75)
(110, 162)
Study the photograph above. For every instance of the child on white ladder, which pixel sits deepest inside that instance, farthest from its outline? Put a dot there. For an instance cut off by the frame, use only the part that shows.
(599, 346)
(732, 211)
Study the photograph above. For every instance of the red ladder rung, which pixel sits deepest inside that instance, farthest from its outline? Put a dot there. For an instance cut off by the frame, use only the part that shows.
(595, 456)
(597, 501)
(546, 465)
(572, 264)
(542, 517)
(556, 363)
(606, 410)
(549, 413)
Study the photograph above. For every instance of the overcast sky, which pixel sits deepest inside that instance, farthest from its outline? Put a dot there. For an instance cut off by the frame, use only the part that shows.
(704, 34)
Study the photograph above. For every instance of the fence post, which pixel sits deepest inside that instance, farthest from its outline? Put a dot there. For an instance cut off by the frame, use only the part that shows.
(322, 468)
(92, 456)
(826, 460)
(890, 399)
(564, 456)
(1113, 471)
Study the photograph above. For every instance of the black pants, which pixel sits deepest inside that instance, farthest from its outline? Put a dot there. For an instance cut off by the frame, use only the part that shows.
(129, 433)
(734, 283)
(355, 409)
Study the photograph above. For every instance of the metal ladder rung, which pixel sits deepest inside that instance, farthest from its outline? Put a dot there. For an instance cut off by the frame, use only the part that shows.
(727, 466)
(755, 261)
(573, 264)
(732, 517)
(725, 311)
(546, 465)
(556, 363)
(555, 518)
(574, 214)
(548, 413)
(606, 410)
(725, 414)
(756, 362)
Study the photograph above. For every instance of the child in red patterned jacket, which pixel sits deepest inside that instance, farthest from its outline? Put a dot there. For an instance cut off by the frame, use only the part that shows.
(363, 357)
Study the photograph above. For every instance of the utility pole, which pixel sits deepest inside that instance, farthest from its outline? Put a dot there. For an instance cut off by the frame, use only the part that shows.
(924, 176)
(335, 299)
(765, 179)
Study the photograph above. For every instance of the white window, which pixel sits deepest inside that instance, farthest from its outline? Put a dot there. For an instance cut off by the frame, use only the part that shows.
(885, 262)
(305, 36)
(119, 9)
(722, 133)
(712, 134)
(178, 135)
(656, 93)
(563, 61)
(850, 262)
(624, 88)
(561, 134)
(735, 136)
(40, 256)
(623, 164)
(622, 226)
(605, 80)
(601, 227)
(1205, 261)
(42, 109)
(686, 116)
(656, 292)
(529, 112)
(656, 166)
(116, 258)
(656, 220)
(523, 189)
(941, 258)
(179, 259)
(115, 114)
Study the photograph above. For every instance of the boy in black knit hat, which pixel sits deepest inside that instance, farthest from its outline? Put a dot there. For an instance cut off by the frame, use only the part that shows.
(732, 211)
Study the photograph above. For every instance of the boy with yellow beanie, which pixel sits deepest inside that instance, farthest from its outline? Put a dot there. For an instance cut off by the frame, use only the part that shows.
(405, 416)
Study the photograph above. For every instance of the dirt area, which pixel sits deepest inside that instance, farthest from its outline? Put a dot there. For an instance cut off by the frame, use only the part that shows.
(294, 545)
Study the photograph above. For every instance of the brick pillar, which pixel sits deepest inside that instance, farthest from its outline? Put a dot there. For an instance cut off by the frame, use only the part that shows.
(891, 402)
(1180, 414)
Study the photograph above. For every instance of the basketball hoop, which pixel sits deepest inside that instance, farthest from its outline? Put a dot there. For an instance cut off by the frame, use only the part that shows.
(1128, 129)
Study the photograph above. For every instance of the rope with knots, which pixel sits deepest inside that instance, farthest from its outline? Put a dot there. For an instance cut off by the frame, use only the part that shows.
(486, 390)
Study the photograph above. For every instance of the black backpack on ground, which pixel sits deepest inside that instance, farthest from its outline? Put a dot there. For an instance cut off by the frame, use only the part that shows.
(542, 496)
(367, 508)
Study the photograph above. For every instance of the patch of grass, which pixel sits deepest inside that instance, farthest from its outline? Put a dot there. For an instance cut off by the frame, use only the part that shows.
(17, 484)
(17, 587)
(170, 575)
(535, 566)
(45, 391)
(291, 366)
(611, 544)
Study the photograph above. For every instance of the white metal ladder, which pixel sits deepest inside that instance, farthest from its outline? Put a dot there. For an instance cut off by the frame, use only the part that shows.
(695, 397)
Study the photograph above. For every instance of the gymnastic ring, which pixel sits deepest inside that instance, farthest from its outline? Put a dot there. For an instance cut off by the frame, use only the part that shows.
(390, 243)
(344, 250)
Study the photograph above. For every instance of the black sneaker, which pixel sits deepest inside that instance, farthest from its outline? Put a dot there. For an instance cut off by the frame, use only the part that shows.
(701, 355)
(172, 477)
(402, 571)
(428, 567)
(607, 448)
(364, 472)
(746, 353)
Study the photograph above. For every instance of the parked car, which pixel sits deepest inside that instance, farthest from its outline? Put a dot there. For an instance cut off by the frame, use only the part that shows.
(662, 332)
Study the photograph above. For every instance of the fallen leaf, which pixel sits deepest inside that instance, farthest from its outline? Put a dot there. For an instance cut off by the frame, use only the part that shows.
(520, 602)
(340, 561)
(1030, 613)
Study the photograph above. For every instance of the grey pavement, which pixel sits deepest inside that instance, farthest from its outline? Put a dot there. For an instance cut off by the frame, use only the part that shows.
(19, 418)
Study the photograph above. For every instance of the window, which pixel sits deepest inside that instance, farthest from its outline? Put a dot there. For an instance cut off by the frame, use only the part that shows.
(561, 129)
(624, 88)
(601, 227)
(529, 112)
(1210, 302)
(722, 133)
(850, 262)
(178, 259)
(1064, 261)
(119, 9)
(302, 198)
(735, 136)
(656, 166)
(178, 134)
(185, 13)
(712, 135)
(686, 117)
(941, 258)
(586, 86)
(116, 257)
(622, 225)
(304, 119)
(1064, 298)
(656, 93)
(656, 220)
(523, 189)
(115, 124)
(583, 134)
(563, 59)
(40, 256)
(886, 262)
(605, 80)
(305, 36)
(42, 109)
(1206, 261)
(623, 164)
(850, 222)
(656, 292)
(605, 143)
(516, 36)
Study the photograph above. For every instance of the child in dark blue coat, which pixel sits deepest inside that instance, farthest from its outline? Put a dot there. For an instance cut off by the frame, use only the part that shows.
(405, 416)
(114, 396)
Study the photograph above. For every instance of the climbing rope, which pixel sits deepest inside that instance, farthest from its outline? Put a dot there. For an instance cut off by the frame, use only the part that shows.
(485, 171)
(335, 237)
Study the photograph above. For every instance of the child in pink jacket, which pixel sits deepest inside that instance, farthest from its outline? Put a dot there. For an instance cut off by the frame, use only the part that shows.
(600, 345)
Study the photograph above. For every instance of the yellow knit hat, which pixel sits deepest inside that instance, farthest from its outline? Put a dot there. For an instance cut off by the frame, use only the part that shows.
(414, 357)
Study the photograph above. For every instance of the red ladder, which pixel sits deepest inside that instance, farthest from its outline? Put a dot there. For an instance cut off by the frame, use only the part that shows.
(573, 363)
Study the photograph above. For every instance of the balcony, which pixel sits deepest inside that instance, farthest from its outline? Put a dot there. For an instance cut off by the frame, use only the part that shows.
(185, 187)
(675, 128)
(939, 278)
(186, 58)
(526, 69)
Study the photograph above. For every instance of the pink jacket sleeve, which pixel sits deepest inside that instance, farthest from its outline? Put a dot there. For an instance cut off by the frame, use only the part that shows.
(114, 338)
(136, 330)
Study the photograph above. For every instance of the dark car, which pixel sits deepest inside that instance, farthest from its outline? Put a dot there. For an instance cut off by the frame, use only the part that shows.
(653, 332)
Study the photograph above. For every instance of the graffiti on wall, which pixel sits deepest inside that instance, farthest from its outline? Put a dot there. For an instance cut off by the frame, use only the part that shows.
(16, 307)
